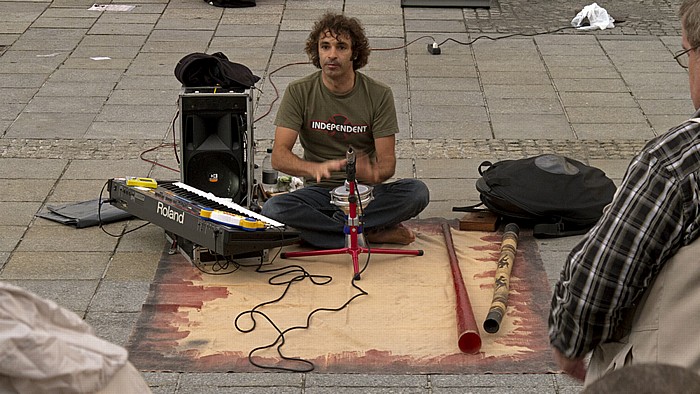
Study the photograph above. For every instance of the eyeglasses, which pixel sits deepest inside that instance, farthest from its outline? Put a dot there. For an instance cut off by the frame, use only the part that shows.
(682, 57)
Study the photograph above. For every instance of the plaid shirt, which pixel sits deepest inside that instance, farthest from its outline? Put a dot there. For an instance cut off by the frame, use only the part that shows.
(655, 212)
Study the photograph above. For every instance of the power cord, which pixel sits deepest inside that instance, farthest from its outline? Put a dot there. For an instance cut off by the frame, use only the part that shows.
(99, 215)
(277, 93)
(362, 224)
(293, 364)
(219, 267)
(501, 37)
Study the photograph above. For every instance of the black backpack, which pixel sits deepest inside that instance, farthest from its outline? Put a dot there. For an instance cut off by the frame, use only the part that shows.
(200, 69)
(557, 195)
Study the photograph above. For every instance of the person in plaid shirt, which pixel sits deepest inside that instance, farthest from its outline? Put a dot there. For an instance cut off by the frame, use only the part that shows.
(629, 292)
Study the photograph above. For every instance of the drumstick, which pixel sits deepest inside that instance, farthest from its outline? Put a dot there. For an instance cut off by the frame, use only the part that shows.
(468, 340)
(501, 285)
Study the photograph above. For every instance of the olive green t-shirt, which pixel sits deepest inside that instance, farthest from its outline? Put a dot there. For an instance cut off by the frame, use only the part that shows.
(328, 123)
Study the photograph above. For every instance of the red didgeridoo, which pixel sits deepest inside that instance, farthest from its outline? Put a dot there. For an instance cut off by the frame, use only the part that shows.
(469, 340)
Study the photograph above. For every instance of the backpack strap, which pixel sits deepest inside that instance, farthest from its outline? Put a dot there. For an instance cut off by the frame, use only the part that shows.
(475, 207)
(470, 208)
(556, 230)
(483, 164)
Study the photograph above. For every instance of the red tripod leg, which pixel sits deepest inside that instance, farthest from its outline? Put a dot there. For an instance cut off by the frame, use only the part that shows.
(355, 252)
(406, 252)
(325, 252)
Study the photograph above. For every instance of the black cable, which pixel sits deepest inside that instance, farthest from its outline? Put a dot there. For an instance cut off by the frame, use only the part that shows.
(362, 223)
(299, 274)
(172, 128)
(173, 145)
(155, 162)
(404, 45)
(217, 266)
(506, 36)
(99, 216)
(277, 93)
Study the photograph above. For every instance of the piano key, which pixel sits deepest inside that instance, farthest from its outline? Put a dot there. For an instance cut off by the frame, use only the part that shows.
(229, 205)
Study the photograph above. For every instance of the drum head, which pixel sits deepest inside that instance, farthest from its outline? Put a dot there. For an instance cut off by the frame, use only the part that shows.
(340, 195)
(344, 191)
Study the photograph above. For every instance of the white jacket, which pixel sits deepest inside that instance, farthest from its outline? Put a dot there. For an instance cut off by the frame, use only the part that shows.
(45, 348)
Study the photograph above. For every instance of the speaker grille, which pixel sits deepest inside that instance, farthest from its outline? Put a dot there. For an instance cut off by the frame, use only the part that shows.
(214, 137)
(216, 172)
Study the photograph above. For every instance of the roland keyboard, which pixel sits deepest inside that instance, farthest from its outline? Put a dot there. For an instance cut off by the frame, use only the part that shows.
(187, 212)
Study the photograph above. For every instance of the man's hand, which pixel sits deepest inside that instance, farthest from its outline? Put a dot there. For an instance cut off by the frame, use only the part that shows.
(381, 167)
(284, 159)
(323, 170)
(574, 367)
(366, 170)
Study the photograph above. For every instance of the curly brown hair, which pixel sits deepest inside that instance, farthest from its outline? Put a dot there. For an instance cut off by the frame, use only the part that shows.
(338, 25)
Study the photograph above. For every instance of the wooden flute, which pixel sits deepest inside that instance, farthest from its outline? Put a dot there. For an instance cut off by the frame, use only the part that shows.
(501, 285)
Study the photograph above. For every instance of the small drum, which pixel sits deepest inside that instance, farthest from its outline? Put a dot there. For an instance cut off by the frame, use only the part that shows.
(340, 196)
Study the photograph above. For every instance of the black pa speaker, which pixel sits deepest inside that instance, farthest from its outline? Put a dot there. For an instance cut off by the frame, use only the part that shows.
(214, 129)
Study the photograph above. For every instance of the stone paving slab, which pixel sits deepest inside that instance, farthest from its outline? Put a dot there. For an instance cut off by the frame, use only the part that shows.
(105, 169)
(67, 239)
(25, 190)
(148, 239)
(73, 294)
(9, 237)
(127, 130)
(18, 213)
(132, 293)
(75, 190)
(56, 265)
(122, 265)
(83, 105)
(112, 326)
(16, 95)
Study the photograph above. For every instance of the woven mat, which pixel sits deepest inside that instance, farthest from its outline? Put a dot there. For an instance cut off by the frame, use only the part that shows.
(405, 323)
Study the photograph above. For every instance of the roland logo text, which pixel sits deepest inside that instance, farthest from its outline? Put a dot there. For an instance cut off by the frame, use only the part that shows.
(170, 213)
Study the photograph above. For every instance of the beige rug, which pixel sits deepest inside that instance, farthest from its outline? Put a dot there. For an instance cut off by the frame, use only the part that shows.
(405, 323)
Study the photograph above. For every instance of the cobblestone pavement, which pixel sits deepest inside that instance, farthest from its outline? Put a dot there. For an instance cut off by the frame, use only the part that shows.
(655, 17)
(418, 149)
(90, 95)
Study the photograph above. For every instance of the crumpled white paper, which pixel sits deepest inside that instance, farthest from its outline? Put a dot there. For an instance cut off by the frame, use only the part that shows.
(287, 183)
(598, 18)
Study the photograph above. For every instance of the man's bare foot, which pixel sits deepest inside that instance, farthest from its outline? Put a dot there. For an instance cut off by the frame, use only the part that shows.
(392, 235)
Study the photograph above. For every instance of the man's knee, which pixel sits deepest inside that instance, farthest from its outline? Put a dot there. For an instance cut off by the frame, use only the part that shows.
(419, 193)
(272, 208)
(422, 193)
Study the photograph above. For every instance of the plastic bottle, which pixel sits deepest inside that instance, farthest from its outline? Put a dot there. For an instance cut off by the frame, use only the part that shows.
(269, 174)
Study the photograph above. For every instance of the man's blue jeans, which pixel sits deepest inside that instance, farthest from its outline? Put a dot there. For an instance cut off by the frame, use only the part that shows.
(321, 223)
